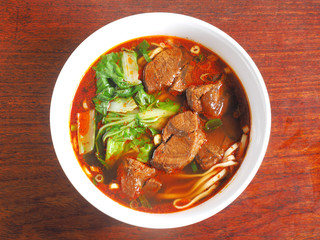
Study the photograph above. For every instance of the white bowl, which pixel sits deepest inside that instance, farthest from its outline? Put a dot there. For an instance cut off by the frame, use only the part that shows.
(160, 24)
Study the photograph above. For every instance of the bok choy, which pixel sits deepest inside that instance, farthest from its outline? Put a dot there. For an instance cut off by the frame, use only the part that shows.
(130, 67)
(86, 131)
(122, 105)
(126, 131)
(117, 79)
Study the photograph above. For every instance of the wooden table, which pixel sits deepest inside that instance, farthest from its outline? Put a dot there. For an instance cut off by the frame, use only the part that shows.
(37, 200)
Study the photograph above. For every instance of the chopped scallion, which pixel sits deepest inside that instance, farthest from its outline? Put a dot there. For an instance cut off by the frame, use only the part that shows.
(194, 167)
(73, 127)
(212, 124)
(144, 201)
(94, 181)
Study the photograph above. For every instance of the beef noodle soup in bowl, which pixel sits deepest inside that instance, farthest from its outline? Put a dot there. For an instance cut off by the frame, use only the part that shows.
(160, 126)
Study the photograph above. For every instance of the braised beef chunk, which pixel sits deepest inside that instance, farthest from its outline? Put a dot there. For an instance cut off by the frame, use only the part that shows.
(194, 95)
(184, 79)
(213, 149)
(186, 57)
(179, 150)
(133, 175)
(171, 66)
(161, 71)
(209, 156)
(180, 125)
(216, 102)
(151, 187)
(212, 99)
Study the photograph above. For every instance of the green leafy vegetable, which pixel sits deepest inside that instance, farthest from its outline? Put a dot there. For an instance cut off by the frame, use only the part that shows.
(100, 152)
(122, 105)
(106, 94)
(133, 133)
(212, 124)
(110, 67)
(129, 92)
(145, 153)
(102, 106)
(117, 76)
(143, 49)
(168, 105)
(105, 97)
(114, 150)
(130, 67)
(86, 131)
(153, 131)
(144, 99)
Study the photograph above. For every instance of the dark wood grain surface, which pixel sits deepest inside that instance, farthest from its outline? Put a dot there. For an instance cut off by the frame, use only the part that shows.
(36, 199)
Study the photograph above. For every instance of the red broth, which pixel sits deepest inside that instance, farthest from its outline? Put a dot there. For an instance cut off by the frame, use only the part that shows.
(232, 126)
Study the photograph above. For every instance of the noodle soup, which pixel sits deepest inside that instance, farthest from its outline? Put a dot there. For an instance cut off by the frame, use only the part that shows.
(160, 124)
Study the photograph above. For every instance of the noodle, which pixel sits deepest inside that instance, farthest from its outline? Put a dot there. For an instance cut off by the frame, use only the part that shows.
(207, 182)
(204, 191)
(203, 178)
